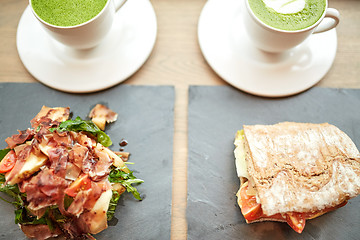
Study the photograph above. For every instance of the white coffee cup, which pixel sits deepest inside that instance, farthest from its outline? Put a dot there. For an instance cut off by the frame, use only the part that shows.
(88, 34)
(275, 40)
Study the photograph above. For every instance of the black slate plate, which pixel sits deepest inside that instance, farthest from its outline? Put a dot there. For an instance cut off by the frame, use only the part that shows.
(145, 120)
(215, 114)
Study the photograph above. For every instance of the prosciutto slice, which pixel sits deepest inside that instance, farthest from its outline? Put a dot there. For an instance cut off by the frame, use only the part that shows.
(39, 231)
(78, 155)
(58, 158)
(50, 117)
(102, 166)
(100, 115)
(45, 189)
(20, 138)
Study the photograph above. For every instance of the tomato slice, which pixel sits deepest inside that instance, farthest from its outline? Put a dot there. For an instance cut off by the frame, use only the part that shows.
(252, 212)
(250, 209)
(81, 183)
(8, 162)
(296, 221)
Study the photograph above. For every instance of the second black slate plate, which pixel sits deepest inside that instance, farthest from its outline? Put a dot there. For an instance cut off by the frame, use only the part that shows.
(145, 120)
(215, 114)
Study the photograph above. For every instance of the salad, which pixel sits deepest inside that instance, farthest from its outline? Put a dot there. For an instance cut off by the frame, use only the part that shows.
(61, 176)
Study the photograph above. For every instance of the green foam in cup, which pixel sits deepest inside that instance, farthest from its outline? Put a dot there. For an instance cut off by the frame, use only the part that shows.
(67, 12)
(311, 13)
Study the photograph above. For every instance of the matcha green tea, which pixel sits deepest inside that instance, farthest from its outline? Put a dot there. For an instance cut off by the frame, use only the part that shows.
(67, 12)
(290, 15)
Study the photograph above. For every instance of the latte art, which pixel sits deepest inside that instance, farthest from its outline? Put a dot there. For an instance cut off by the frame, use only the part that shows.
(285, 6)
(290, 15)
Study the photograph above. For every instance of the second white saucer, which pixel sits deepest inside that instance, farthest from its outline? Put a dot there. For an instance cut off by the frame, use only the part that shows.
(123, 51)
(230, 53)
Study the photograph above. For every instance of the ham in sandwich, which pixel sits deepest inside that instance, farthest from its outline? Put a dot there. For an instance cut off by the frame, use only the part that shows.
(291, 172)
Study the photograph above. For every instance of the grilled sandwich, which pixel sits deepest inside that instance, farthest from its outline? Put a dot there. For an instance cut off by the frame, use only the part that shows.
(291, 172)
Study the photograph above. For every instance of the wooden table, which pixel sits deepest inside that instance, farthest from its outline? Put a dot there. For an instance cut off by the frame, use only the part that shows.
(177, 60)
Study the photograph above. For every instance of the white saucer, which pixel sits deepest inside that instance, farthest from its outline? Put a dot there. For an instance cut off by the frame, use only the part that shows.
(228, 50)
(123, 51)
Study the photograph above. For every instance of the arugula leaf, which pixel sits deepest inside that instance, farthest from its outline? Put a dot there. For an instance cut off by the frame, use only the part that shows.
(103, 138)
(126, 179)
(3, 152)
(23, 216)
(56, 215)
(67, 201)
(117, 174)
(127, 163)
(13, 191)
(112, 205)
(78, 125)
(51, 217)
(127, 184)
(2, 178)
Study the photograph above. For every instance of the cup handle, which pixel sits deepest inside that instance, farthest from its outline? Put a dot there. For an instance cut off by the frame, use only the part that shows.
(325, 26)
(119, 4)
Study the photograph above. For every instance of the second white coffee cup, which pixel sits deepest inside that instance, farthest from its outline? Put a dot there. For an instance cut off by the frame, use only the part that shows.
(88, 34)
(275, 40)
